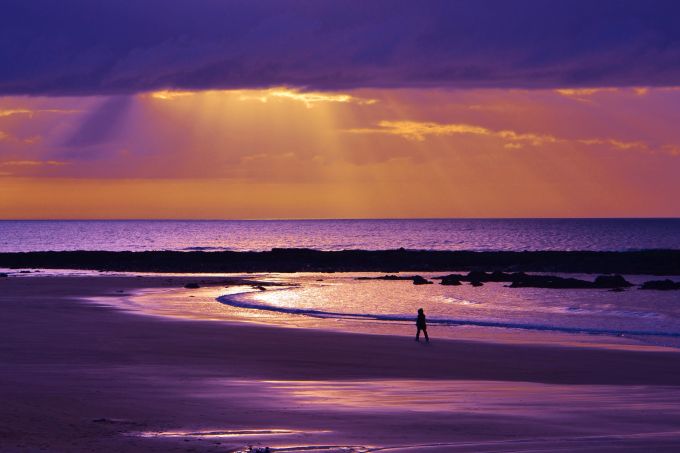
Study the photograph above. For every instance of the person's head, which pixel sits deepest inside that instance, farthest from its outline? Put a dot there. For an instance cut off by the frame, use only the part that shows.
(420, 311)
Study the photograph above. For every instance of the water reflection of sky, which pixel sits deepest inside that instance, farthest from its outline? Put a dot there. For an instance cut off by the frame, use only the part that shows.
(339, 301)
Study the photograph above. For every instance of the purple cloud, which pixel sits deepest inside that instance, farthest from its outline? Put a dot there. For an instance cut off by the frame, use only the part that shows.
(81, 47)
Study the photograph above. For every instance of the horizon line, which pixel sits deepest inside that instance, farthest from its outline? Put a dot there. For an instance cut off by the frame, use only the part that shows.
(283, 219)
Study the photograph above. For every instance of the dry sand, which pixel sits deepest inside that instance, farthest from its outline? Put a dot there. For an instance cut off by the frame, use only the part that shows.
(79, 376)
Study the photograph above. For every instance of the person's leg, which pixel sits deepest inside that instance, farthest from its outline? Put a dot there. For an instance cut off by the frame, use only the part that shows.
(418, 334)
(426, 337)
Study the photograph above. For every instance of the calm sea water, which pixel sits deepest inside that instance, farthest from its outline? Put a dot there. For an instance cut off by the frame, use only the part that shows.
(434, 234)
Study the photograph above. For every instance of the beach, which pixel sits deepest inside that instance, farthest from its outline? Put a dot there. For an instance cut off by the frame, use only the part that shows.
(83, 376)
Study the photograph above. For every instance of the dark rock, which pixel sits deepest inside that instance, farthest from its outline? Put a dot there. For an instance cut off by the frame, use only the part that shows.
(394, 277)
(260, 287)
(662, 285)
(387, 277)
(611, 281)
(451, 280)
(652, 262)
(481, 276)
(413, 278)
(24, 272)
(477, 276)
(3, 275)
(550, 281)
(418, 280)
(498, 276)
(192, 285)
(522, 280)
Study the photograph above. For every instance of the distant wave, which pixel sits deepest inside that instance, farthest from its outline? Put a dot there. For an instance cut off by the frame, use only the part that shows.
(238, 300)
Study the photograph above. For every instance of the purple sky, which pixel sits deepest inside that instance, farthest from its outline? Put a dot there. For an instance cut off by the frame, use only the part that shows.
(76, 47)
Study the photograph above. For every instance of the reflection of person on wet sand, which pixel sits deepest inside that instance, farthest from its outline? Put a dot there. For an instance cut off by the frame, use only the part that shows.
(421, 324)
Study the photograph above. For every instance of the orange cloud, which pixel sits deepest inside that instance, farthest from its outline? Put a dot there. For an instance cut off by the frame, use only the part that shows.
(419, 131)
(168, 95)
(30, 163)
(309, 98)
(582, 92)
(30, 112)
(415, 130)
(585, 94)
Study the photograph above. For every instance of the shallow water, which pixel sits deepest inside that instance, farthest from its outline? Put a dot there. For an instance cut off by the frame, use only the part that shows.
(492, 312)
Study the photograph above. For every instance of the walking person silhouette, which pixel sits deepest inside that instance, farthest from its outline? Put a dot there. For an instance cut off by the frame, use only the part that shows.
(421, 324)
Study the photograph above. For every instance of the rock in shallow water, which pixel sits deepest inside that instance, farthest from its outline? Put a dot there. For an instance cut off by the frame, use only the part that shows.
(451, 280)
(419, 280)
(664, 285)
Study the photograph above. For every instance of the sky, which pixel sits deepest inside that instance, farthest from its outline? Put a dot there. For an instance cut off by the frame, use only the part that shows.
(303, 109)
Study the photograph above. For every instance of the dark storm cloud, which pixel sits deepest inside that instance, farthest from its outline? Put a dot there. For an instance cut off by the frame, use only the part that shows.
(60, 47)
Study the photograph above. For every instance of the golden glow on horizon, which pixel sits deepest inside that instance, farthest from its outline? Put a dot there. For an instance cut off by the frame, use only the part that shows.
(284, 153)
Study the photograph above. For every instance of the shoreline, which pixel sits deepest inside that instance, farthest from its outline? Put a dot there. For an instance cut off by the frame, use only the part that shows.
(644, 262)
(73, 290)
(76, 375)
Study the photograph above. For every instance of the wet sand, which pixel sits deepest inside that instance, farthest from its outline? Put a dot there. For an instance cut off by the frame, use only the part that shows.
(80, 376)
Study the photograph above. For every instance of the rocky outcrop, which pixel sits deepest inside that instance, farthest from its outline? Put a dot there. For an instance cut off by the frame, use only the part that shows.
(552, 281)
(662, 285)
(388, 277)
(523, 280)
(419, 280)
(451, 280)
(416, 279)
(652, 262)
(611, 281)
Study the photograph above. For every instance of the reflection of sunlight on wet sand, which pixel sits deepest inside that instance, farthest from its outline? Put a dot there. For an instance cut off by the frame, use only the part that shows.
(499, 397)
(286, 439)
(561, 417)
(220, 433)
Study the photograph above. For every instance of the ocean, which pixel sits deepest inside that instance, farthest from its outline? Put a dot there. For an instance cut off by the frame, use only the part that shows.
(420, 234)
